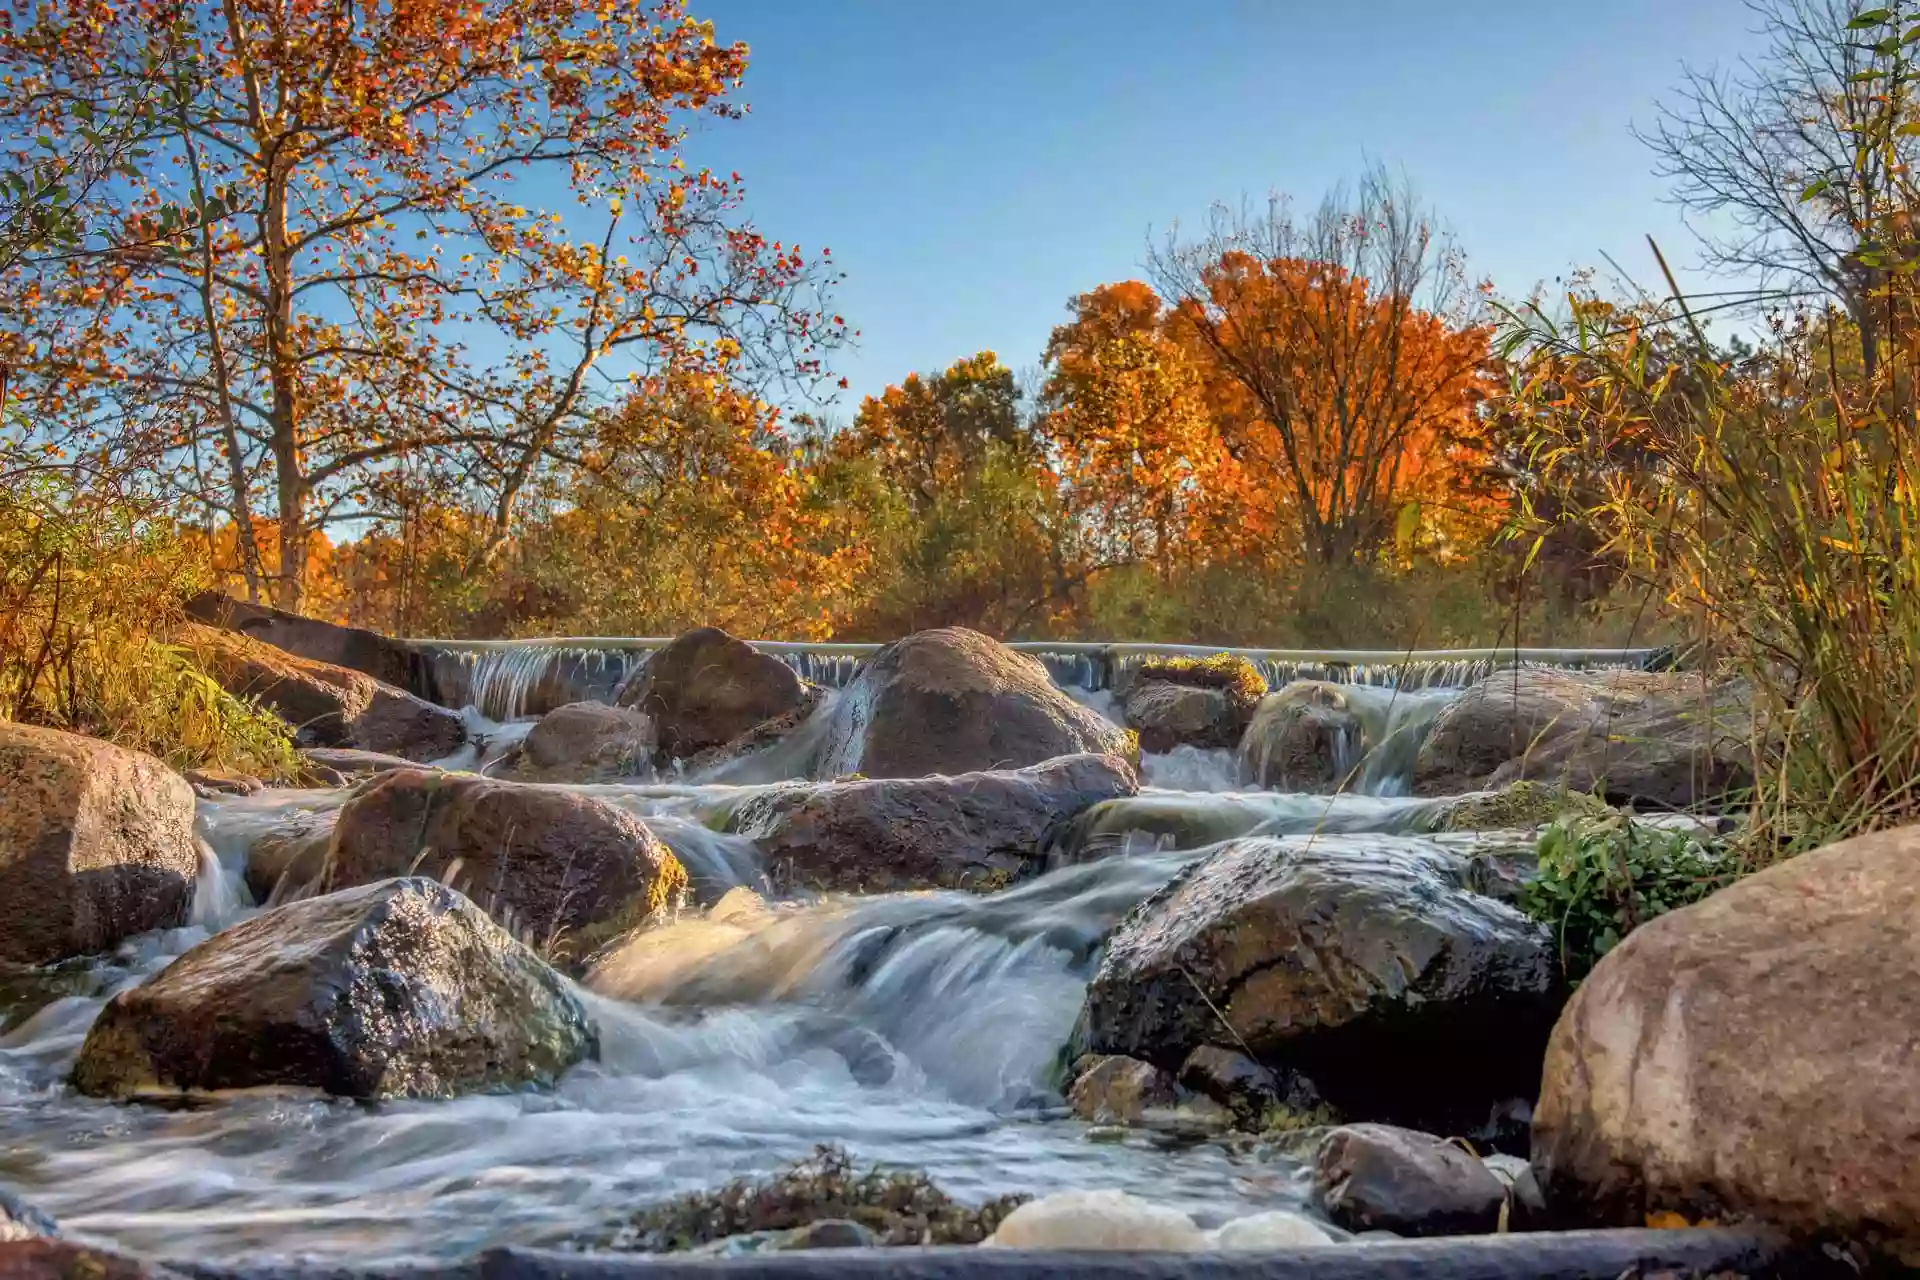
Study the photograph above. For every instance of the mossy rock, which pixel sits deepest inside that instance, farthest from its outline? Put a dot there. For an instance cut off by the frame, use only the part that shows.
(899, 1206)
(1521, 806)
(1227, 671)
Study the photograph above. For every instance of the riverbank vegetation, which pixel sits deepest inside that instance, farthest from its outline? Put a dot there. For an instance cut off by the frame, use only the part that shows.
(405, 400)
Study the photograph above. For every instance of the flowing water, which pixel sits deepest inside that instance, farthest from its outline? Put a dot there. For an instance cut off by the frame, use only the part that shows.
(915, 1029)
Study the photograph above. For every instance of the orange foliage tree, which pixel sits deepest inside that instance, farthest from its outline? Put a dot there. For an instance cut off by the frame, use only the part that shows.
(1349, 358)
(324, 263)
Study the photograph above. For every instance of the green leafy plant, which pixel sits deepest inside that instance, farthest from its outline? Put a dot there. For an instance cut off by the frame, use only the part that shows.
(1600, 878)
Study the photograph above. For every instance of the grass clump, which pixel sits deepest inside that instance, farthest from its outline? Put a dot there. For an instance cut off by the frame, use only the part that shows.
(1227, 671)
(1601, 878)
(899, 1206)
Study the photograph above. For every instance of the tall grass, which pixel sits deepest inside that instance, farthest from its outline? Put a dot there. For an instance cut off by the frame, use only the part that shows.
(1769, 499)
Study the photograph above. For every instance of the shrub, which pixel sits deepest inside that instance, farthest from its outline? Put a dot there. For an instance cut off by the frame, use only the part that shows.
(1600, 878)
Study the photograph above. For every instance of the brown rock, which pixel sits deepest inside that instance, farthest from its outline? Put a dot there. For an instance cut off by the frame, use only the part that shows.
(1753, 1055)
(1115, 1090)
(882, 834)
(561, 869)
(1633, 737)
(48, 1259)
(1307, 737)
(96, 844)
(327, 706)
(586, 742)
(705, 689)
(397, 989)
(387, 660)
(953, 701)
(1171, 715)
(1375, 1177)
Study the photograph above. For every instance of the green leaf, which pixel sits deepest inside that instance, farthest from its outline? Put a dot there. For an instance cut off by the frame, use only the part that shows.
(1815, 188)
(1869, 18)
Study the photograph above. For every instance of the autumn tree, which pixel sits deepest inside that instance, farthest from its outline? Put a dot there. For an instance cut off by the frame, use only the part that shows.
(332, 259)
(1357, 343)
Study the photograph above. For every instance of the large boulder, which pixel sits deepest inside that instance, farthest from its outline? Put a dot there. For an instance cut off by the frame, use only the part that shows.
(974, 830)
(327, 705)
(1307, 737)
(585, 742)
(705, 689)
(1342, 959)
(953, 701)
(1753, 1055)
(1205, 702)
(96, 844)
(387, 660)
(397, 989)
(558, 868)
(1659, 739)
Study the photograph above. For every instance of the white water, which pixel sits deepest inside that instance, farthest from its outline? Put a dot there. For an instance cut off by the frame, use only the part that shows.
(915, 1029)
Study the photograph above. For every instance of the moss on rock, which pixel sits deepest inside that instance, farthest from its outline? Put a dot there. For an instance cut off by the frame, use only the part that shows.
(1519, 806)
(1221, 671)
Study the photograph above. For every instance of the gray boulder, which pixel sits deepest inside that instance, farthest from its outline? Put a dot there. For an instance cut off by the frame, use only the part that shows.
(397, 989)
(1375, 1177)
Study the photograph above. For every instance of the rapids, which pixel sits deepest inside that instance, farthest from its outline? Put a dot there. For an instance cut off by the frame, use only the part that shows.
(920, 1029)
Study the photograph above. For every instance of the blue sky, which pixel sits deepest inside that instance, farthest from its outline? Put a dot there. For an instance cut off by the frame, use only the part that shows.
(973, 164)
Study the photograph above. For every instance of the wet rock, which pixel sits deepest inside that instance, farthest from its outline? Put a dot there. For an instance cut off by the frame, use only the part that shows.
(1307, 737)
(387, 660)
(1201, 702)
(585, 742)
(288, 860)
(828, 1233)
(705, 689)
(45, 1259)
(397, 989)
(1751, 1055)
(1275, 1229)
(897, 1206)
(96, 845)
(341, 765)
(327, 706)
(1098, 1221)
(1374, 1177)
(953, 701)
(1344, 959)
(1517, 806)
(1659, 739)
(207, 783)
(560, 869)
(1117, 1090)
(975, 830)
(21, 1221)
(1247, 1089)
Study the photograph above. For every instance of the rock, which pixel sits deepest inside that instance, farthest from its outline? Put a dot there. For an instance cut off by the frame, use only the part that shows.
(1116, 1090)
(828, 1233)
(1517, 806)
(1751, 1055)
(880, 834)
(21, 1221)
(952, 701)
(348, 764)
(586, 742)
(1247, 1089)
(1659, 739)
(705, 689)
(397, 989)
(96, 845)
(207, 783)
(1526, 1207)
(1307, 737)
(1343, 960)
(327, 706)
(1200, 702)
(387, 660)
(1275, 1229)
(1374, 1177)
(1102, 1221)
(561, 869)
(288, 860)
(45, 1259)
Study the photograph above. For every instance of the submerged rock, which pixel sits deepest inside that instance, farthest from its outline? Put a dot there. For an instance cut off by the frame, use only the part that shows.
(1307, 737)
(563, 870)
(1114, 1090)
(1345, 961)
(1375, 1177)
(1752, 1055)
(96, 845)
(397, 989)
(894, 1206)
(970, 831)
(327, 706)
(953, 701)
(705, 689)
(1660, 739)
(586, 742)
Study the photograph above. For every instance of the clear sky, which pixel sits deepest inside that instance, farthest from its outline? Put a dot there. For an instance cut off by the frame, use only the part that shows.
(974, 163)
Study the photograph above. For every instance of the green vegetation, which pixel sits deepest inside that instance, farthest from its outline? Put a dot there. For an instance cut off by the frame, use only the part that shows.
(1521, 805)
(1601, 878)
(900, 1207)
(1219, 671)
